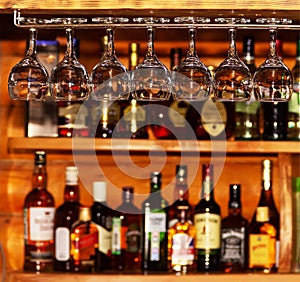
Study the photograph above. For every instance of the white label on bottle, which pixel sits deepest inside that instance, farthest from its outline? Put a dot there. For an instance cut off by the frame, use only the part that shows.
(182, 249)
(155, 246)
(155, 222)
(41, 223)
(116, 236)
(62, 244)
(104, 240)
(208, 231)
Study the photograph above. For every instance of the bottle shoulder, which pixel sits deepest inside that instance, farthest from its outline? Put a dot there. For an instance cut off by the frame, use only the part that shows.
(207, 207)
(234, 221)
(39, 197)
(128, 208)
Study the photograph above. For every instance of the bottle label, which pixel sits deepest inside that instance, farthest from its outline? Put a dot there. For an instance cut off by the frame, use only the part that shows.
(177, 113)
(104, 240)
(233, 245)
(86, 241)
(154, 246)
(118, 236)
(294, 103)
(41, 224)
(214, 117)
(182, 252)
(62, 244)
(262, 250)
(133, 236)
(208, 230)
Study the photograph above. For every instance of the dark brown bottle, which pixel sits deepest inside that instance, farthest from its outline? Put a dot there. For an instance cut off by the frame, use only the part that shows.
(65, 215)
(267, 200)
(38, 215)
(234, 235)
(207, 221)
(126, 235)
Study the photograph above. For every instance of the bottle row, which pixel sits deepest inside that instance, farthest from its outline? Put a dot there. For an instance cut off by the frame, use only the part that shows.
(158, 237)
(171, 119)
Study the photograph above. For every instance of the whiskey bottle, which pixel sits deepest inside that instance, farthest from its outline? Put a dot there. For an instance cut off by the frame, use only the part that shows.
(207, 221)
(293, 130)
(102, 217)
(247, 114)
(181, 238)
(262, 242)
(155, 228)
(38, 216)
(267, 200)
(84, 242)
(126, 235)
(275, 114)
(65, 215)
(234, 235)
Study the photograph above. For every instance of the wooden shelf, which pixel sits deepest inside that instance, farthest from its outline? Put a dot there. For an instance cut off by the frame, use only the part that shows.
(26, 277)
(60, 145)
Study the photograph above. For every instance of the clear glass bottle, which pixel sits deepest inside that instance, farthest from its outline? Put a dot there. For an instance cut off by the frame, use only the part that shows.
(234, 234)
(207, 221)
(84, 242)
(102, 217)
(65, 215)
(38, 214)
(247, 114)
(126, 235)
(155, 228)
(293, 130)
(267, 200)
(181, 238)
(262, 242)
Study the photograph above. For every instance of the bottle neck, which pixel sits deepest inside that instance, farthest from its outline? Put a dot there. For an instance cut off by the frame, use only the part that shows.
(71, 193)
(181, 190)
(183, 215)
(234, 206)
(207, 192)
(266, 197)
(39, 178)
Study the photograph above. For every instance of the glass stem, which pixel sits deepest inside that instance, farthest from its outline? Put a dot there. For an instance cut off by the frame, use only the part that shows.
(32, 42)
(192, 44)
(273, 36)
(110, 42)
(232, 43)
(150, 44)
(70, 49)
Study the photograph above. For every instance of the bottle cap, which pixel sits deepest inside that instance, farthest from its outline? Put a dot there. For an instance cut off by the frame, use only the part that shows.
(296, 184)
(99, 191)
(262, 214)
(127, 193)
(40, 158)
(181, 171)
(156, 177)
(248, 45)
(85, 214)
(235, 196)
(71, 175)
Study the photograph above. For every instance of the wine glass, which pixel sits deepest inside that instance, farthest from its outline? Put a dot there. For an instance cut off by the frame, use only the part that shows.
(192, 79)
(151, 80)
(28, 79)
(109, 78)
(272, 81)
(69, 80)
(232, 80)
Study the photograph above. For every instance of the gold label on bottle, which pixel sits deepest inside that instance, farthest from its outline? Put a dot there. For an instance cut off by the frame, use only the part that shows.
(104, 240)
(208, 231)
(177, 113)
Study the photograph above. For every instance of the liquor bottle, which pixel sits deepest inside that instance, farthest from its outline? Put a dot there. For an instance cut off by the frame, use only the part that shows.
(293, 130)
(180, 196)
(267, 200)
(247, 114)
(126, 235)
(262, 242)
(296, 224)
(234, 235)
(181, 238)
(38, 215)
(207, 221)
(84, 242)
(102, 216)
(155, 228)
(133, 123)
(275, 114)
(65, 215)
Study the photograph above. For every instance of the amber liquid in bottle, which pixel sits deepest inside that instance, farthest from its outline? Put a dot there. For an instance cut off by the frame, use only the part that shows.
(234, 235)
(126, 235)
(84, 242)
(181, 238)
(207, 221)
(39, 220)
(65, 215)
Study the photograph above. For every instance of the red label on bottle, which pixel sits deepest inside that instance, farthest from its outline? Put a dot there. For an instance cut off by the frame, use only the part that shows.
(86, 241)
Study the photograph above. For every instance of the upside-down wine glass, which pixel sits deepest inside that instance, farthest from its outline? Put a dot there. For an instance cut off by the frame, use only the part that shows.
(28, 79)
(192, 79)
(69, 80)
(109, 78)
(151, 80)
(272, 81)
(232, 80)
